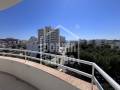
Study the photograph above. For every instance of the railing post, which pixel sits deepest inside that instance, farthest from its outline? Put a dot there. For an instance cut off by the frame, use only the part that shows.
(56, 59)
(25, 55)
(41, 59)
(92, 79)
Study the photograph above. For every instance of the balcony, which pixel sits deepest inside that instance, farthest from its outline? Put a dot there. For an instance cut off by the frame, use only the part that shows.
(37, 72)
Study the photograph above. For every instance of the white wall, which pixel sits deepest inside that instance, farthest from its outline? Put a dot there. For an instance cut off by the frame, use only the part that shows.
(36, 77)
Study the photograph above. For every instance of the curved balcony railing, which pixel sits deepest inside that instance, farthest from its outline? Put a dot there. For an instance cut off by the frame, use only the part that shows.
(59, 61)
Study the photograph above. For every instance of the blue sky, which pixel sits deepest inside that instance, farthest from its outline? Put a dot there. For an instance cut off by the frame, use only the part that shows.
(89, 19)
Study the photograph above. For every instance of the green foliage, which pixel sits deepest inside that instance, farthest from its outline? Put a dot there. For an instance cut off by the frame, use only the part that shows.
(106, 57)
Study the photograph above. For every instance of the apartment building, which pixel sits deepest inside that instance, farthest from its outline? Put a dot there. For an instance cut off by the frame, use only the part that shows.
(49, 39)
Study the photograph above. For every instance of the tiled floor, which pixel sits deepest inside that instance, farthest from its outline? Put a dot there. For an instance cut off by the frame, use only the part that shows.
(9, 82)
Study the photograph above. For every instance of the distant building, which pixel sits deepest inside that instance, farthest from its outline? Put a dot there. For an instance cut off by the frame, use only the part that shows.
(32, 39)
(9, 43)
(100, 42)
(62, 48)
(71, 46)
(49, 40)
(32, 44)
(62, 41)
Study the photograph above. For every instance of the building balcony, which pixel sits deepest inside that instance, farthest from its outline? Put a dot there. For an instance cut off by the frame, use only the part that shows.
(21, 71)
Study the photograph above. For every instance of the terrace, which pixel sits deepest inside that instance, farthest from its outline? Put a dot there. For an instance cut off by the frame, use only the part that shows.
(37, 72)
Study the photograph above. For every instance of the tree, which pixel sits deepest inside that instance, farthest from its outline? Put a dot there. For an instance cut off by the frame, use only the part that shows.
(106, 57)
